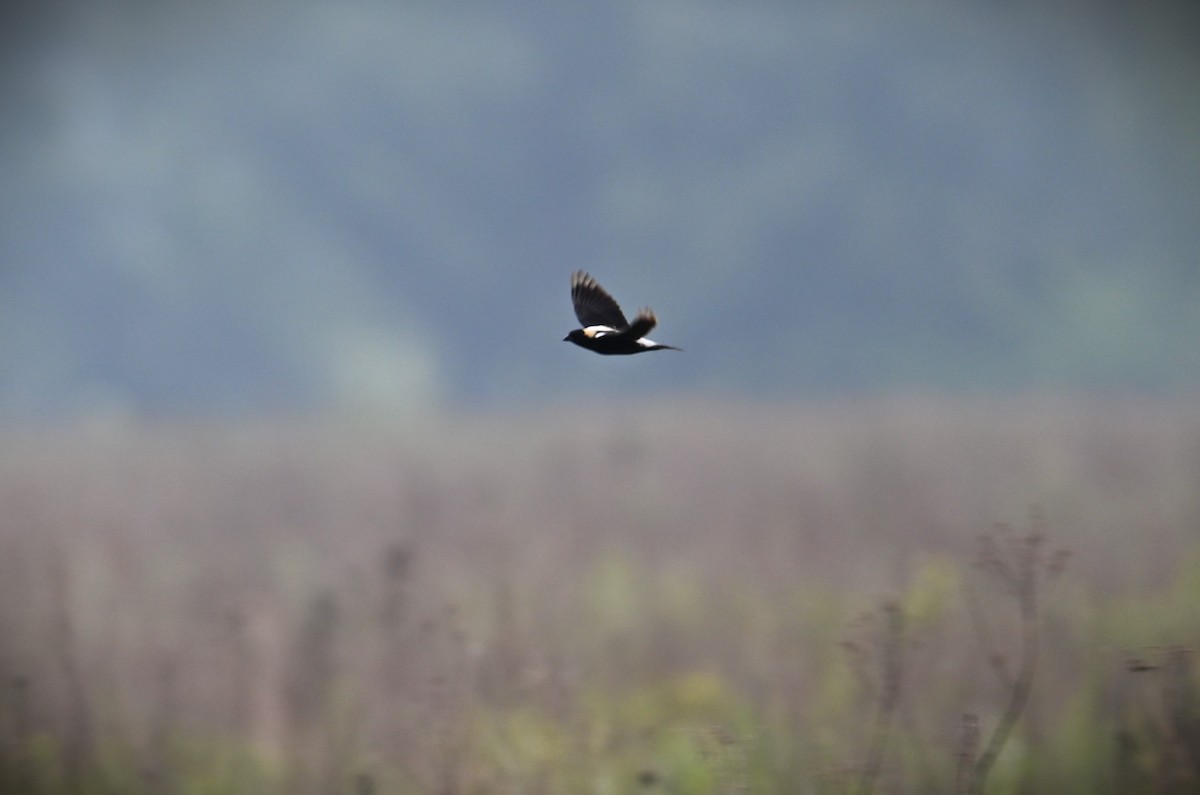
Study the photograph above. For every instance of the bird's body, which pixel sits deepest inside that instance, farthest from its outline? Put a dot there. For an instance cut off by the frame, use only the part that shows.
(605, 329)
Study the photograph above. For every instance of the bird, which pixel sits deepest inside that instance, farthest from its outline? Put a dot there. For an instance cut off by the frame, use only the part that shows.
(605, 329)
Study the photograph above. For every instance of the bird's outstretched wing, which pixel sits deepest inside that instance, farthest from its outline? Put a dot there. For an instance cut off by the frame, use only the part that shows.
(642, 324)
(594, 306)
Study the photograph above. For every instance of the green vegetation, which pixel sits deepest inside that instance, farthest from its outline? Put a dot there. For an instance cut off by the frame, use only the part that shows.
(799, 601)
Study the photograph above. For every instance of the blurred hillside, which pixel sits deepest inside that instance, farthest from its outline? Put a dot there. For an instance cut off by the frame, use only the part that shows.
(253, 207)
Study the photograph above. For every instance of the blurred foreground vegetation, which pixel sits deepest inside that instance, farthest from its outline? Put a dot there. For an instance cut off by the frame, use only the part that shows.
(810, 599)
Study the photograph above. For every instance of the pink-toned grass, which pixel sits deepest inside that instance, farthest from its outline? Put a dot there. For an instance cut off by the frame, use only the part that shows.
(311, 602)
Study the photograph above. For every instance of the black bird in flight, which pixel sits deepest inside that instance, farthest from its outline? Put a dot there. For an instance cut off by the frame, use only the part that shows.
(605, 329)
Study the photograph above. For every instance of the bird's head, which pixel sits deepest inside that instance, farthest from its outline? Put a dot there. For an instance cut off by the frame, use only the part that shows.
(575, 335)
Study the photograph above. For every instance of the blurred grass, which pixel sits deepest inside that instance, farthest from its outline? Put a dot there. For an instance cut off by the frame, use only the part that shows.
(475, 606)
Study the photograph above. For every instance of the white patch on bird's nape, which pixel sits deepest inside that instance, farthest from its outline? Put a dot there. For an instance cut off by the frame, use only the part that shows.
(597, 331)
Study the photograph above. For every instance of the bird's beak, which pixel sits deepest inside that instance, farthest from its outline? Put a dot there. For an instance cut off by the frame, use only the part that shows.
(567, 338)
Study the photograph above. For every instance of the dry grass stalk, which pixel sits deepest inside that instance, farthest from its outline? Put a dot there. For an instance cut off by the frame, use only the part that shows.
(968, 751)
(1020, 565)
(890, 675)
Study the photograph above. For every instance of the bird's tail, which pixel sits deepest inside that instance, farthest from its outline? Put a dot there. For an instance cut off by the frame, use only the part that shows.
(642, 324)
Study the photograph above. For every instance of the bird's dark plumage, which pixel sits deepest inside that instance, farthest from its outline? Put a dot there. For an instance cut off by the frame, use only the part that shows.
(593, 305)
(605, 329)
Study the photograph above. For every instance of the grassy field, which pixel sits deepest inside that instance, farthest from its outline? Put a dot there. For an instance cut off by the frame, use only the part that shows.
(903, 596)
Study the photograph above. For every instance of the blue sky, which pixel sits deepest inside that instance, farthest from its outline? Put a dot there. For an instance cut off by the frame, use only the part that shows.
(260, 207)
